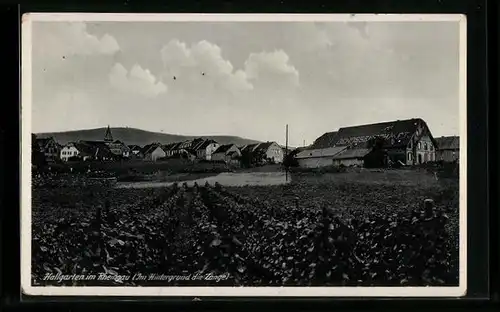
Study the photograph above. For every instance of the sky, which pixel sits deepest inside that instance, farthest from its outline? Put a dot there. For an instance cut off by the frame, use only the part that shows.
(247, 79)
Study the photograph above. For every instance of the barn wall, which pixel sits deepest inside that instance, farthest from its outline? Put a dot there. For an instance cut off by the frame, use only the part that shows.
(348, 162)
(315, 162)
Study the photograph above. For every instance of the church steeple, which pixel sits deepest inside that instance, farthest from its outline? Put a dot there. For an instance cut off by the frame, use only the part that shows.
(108, 137)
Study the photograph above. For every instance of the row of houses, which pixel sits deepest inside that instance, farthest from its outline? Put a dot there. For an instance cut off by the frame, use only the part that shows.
(198, 149)
(210, 150)
(403, 142)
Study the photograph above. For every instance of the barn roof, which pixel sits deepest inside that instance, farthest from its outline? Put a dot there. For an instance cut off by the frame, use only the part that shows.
(449, 142)
(397, 133)
(326, 140)
(322, 152)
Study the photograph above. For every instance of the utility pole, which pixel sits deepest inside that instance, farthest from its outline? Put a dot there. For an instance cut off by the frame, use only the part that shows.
(286, 153)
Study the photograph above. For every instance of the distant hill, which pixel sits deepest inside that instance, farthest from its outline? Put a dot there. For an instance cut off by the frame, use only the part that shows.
(132, 136)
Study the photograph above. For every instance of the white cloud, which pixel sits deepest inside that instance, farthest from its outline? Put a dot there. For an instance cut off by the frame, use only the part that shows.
(202, 58)
(268, 67)
(138, 80)
(72, 38)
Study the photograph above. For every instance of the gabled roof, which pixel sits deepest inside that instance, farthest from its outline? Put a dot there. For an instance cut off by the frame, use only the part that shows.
(249, 148)
(223, 148)
(177, 146)
(448, 143)
(85, 149)
(323, 152)
(196, 142)
(168, 147)
(326, 140)
(150, 148)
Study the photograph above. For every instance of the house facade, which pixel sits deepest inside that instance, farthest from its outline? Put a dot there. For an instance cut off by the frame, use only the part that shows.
(228, 153)
(49, 148)
(448, 148)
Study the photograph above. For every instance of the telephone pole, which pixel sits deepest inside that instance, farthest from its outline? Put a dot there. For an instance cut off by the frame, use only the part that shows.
(286, 154)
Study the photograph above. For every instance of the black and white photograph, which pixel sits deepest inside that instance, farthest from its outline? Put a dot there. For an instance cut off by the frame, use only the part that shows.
(243, 155)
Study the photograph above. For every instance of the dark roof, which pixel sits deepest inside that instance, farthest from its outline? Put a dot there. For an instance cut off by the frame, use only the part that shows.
(178, 145)
(447, 143)
(85, 149)
(326, 140)
(397, 133)
(224, 148)
(196, 142)
(149, 148)
(249, 147)
(92, 148)
(169, 146)
(101, 144)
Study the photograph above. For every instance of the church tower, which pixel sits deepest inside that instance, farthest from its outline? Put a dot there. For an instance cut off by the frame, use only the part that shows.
(108, 137)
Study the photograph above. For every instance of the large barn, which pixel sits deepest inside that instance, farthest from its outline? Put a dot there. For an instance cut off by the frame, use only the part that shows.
(406, 142)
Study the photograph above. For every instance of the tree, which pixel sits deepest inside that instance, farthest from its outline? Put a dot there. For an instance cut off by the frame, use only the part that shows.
(290, 160)
(37, 156)
(249, 159)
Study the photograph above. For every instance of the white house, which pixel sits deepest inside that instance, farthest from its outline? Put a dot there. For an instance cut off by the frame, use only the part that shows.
(75, 150)
(315, 158)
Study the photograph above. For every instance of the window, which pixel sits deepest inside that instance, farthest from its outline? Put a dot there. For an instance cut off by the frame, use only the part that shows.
(431, 147)
(409, 156)
(425, 146)
(419, 145)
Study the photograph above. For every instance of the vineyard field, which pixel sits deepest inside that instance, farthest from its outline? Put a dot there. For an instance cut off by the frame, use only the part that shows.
(313, 231)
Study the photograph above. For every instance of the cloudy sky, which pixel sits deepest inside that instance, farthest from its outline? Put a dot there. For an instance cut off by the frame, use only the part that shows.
(244, 78)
